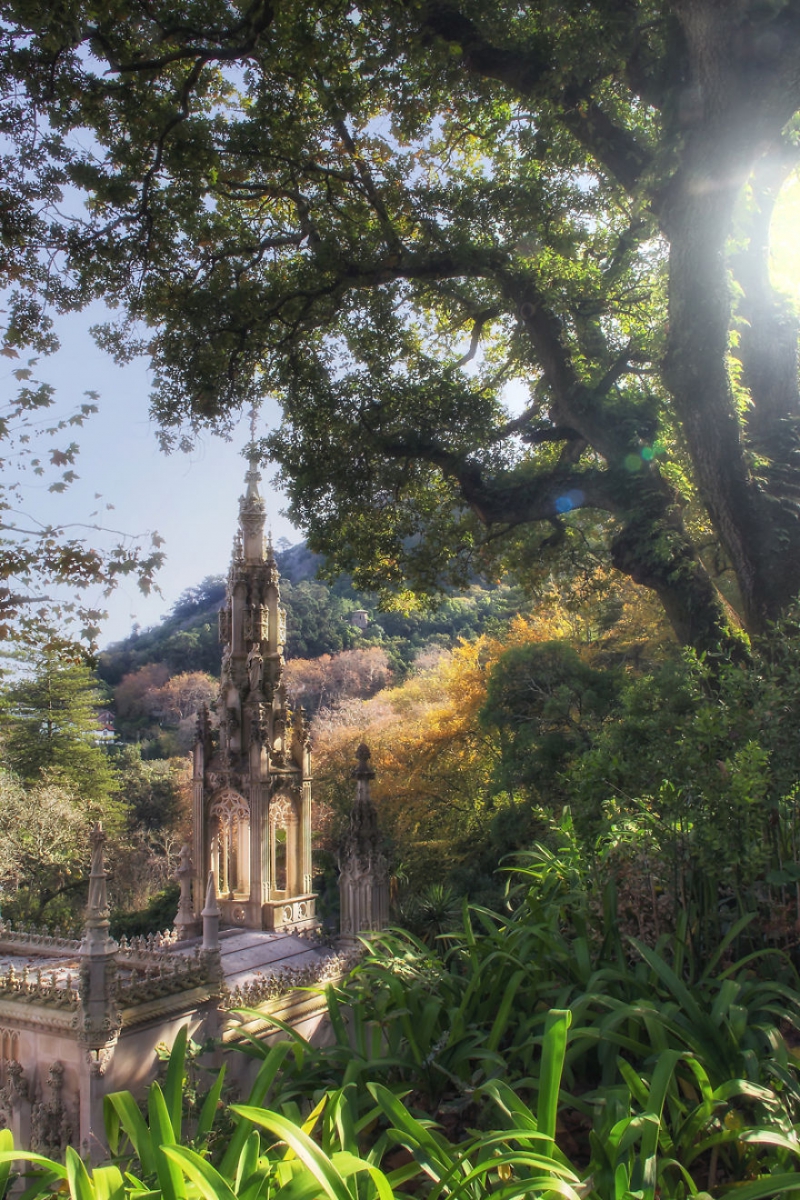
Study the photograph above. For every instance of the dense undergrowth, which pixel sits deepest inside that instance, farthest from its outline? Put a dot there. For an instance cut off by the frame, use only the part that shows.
(531, 1052)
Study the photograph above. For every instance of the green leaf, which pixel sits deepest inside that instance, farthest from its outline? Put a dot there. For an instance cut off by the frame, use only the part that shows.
(163, 1135)
(80, 1185)
(208, 1112)
(501, 1020)
(121, 1115)
(108, 1183)
(6, 1146)
(173, 1084)
(306, 1150)
(261, 1085)
(554, 1048)
(206, 1178)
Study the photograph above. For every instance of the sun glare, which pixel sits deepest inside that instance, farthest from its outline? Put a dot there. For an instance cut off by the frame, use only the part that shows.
(785, 240)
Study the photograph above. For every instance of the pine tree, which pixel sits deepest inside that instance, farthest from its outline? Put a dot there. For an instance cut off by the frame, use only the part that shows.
(51, 730)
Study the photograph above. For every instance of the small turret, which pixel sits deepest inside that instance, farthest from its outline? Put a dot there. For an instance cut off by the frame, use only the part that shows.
(364, 877)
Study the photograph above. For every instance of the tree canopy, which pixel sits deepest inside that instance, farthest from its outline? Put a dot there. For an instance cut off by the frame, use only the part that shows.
(507, 267)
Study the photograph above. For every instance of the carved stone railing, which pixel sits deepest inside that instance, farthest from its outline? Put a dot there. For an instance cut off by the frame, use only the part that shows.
(152, 947)
(41, 941)
(39, 988)
(286, 979)
(153, 974)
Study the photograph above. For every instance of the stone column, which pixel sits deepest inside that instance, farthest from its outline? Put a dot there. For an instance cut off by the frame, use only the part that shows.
(292, 864)
(305, 837)
(199, 844)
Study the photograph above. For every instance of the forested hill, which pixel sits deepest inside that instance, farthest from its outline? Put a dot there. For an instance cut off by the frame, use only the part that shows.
(318, 622)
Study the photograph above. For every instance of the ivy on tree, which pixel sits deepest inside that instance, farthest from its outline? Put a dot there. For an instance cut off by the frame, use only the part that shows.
(387, 213)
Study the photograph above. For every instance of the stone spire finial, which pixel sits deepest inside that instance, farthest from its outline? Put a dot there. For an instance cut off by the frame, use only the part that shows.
(210, 915)
(252, 497)
(97, 906)
(252, 510)
(364, 877)
(363, 770)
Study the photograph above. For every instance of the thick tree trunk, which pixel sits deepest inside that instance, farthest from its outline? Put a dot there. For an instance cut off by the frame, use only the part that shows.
(740, 120)
(664, 560)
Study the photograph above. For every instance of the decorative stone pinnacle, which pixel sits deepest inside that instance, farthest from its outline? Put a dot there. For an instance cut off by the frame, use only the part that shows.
(252, 497)
(363, 770)
(211, 908)
(97, 905)
(210, 915)
(363, 879)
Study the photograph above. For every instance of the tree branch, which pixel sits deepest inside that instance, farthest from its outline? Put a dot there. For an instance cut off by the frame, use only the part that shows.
(610, 144)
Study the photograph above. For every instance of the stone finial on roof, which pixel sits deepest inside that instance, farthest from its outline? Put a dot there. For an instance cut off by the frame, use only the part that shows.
(364, 877)
(252, 501)
(210, 915)
(363, 770)
(97, 906)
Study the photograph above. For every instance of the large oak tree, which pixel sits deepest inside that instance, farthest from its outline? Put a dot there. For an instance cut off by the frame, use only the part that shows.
(401, 216)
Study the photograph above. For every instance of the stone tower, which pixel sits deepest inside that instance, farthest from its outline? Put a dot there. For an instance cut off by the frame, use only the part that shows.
(252, 786)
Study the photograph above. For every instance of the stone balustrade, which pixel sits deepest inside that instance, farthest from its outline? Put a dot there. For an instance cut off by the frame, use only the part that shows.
(158, 973)
(40, 941)
(58, 991)
(286, 979)
(149, 951)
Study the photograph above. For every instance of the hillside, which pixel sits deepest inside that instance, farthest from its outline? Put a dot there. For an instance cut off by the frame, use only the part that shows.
(318, 622)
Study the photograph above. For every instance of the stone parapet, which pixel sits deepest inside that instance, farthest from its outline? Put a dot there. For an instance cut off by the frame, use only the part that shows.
(262, 988)
(162, 975)
(56, 990)
(36, 941)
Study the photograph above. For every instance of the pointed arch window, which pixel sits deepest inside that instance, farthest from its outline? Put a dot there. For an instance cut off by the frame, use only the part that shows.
(229, 821)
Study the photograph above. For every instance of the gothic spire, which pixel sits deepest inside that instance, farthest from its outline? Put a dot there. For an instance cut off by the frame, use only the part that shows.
(97, 906)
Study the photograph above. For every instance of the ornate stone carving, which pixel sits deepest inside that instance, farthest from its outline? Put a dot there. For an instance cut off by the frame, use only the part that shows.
(229, 804)
(99, 1060)
(13, 1093)
(278, 751)
(281, 810)
(184, 919)
(255, 668)
(51, 1128)
(269, 987)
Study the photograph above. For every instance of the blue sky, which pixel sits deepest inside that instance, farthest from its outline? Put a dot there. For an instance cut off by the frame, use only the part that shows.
(191, 500)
